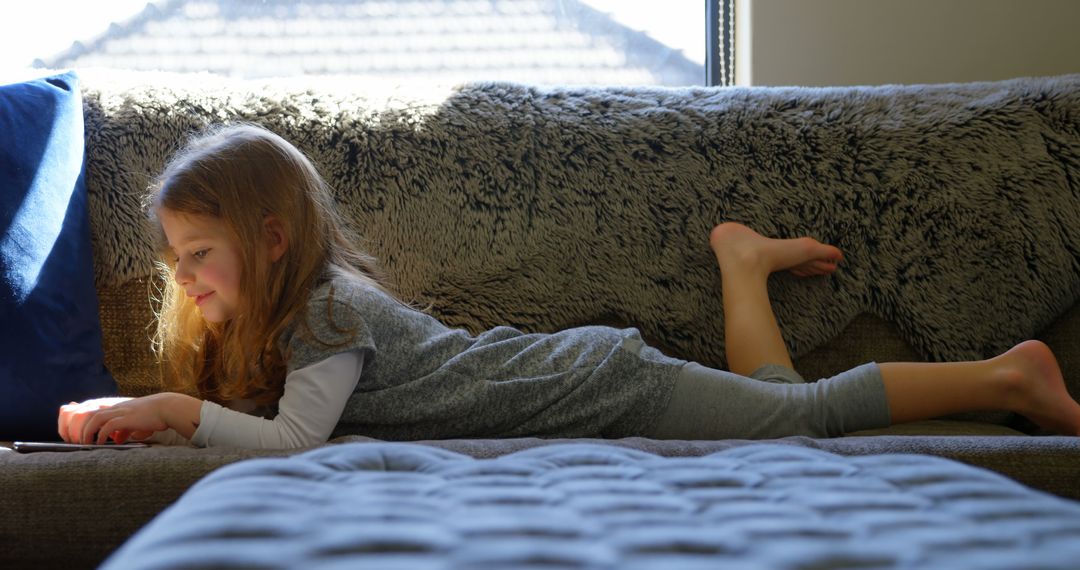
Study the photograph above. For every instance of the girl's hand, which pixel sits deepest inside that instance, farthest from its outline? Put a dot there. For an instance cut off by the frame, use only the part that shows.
(73, 417)
(118, 418)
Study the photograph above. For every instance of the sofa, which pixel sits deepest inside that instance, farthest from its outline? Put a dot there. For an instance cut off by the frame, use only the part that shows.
(957, 207)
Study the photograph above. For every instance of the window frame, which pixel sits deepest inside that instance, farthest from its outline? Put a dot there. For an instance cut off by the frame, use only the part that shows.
(719, 52)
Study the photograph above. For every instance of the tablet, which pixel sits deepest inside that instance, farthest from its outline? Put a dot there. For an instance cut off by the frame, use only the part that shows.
(32, 446)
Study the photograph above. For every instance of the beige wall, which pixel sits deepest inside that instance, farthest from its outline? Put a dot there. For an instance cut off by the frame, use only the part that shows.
(871, 42)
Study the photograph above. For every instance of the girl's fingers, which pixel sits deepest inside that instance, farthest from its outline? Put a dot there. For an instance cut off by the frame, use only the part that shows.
(93, 425)
(75, 423)
(104, 431)
(100, 433)
(80, 435)
(74, 420)
(61, 424)
(120, 436)
(113, 429)
(68, 421)
(62, 418)
(140, 435)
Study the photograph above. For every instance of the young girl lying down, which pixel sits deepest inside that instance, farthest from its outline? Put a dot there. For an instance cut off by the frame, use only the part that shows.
(276, 332)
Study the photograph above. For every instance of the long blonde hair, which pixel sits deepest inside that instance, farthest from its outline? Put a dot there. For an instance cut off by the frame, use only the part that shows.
(240, 174)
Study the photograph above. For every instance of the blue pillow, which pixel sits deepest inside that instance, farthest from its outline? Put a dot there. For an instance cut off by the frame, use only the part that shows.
(50, 336)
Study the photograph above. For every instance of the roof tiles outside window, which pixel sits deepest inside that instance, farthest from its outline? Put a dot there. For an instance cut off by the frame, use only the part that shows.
(537, 41)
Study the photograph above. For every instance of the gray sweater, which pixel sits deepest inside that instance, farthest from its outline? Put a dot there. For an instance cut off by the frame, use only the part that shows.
(423, 380)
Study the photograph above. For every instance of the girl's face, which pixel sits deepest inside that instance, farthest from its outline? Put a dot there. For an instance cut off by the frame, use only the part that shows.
(207, 262)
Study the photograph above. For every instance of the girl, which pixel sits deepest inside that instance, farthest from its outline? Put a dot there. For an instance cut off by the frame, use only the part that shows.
(275, 331)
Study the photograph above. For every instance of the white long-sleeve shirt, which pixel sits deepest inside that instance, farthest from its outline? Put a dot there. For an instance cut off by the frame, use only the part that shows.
(308, 410)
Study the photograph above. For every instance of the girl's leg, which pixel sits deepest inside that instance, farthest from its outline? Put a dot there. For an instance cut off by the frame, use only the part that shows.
(751, 335)
(707, 403)
(1026, 379)
(715, 404)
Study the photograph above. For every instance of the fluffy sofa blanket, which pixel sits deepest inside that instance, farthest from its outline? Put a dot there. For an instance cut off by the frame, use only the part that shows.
(957, 206)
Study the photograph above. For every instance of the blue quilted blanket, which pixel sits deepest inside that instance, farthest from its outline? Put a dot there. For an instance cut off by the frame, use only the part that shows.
(399, 505)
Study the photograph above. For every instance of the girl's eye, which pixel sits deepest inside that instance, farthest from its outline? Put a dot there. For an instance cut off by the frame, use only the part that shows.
(200, 254)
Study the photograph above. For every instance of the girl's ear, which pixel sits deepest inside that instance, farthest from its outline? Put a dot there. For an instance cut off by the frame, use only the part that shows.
(277, 239)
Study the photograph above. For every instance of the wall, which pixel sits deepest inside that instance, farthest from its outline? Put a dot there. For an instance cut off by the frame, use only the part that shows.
(868, 42)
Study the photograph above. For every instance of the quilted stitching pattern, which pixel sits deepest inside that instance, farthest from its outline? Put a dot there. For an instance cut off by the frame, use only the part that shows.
(593, 506)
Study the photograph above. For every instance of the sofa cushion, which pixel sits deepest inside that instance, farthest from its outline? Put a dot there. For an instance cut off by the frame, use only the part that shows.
(50, 337)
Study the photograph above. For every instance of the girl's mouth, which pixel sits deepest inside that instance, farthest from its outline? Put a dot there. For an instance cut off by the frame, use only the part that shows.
(202, 298)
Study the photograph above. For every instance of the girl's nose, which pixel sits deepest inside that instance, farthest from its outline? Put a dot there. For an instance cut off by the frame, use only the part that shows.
(182, 275)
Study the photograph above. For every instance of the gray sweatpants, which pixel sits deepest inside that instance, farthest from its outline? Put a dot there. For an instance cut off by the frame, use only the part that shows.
(775, 401)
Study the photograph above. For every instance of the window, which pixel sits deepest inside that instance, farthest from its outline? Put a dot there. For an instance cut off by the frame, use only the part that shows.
(400, 41)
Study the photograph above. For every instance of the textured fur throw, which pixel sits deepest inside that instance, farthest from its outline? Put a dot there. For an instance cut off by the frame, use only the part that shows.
(957, 206)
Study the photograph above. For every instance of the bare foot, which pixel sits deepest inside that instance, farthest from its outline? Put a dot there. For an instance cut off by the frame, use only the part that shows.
(1038, 388)
(734, 243)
